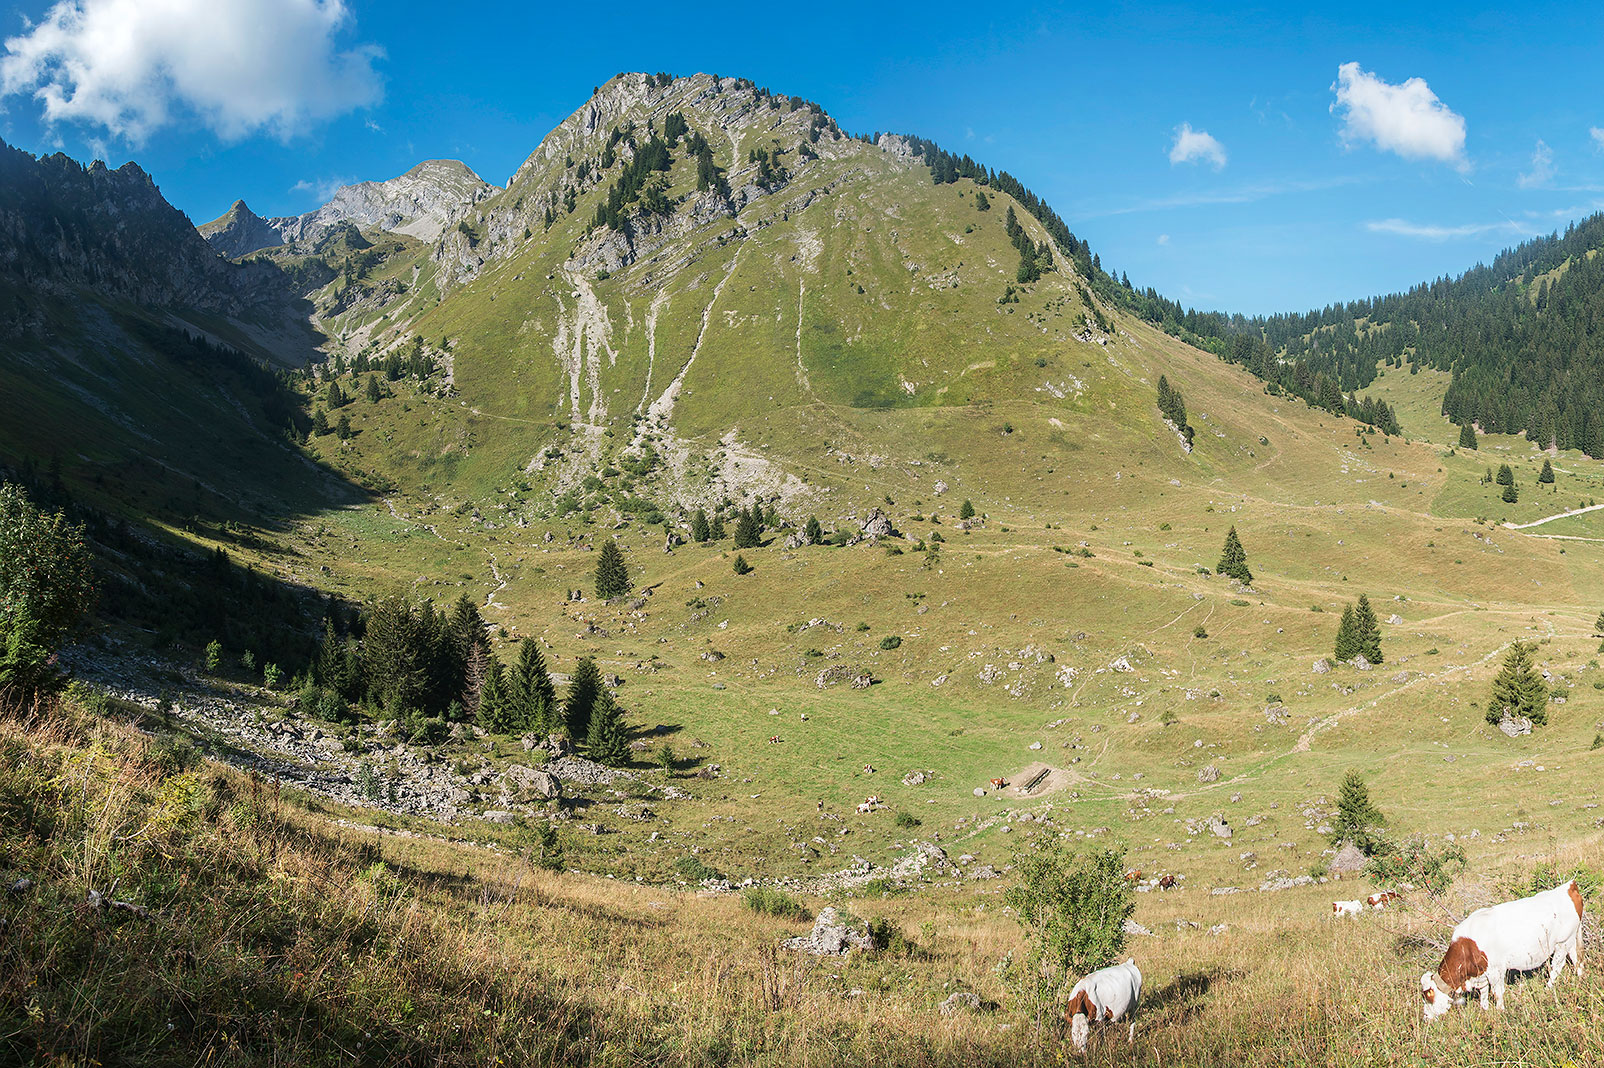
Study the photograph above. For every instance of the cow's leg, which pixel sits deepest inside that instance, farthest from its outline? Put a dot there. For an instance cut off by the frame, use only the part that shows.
(1497, 984)
(1556, 963)
(1130, 1036)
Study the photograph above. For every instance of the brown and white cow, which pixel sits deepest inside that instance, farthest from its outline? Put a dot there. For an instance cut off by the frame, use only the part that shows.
(1545, 928)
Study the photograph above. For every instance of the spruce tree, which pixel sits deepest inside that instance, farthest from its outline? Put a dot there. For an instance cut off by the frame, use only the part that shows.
(374, 393)
(1518, 688)
(612, 574)
(1347, 646)
(605, 737)
(1357, 816)
(748, 530)
(700, 531)
(813, 533)
(716, 531)
(967, 511)
(532, 696)
(741, 566)
(1510, 494)
(1234, 559)
(1506, 475)
(1598, 626)
(1546, 475)
(1368, 630)
(495, 712)
(583, 689)
(1467, 437)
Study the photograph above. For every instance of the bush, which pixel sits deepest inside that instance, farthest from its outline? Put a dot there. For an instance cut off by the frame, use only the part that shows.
(1199, 631)
(1414, 861)
(890, 641)
(887, 937)
(907, 820)
(767, 901)
(693, 870)
(741, 566)
(1073, 905)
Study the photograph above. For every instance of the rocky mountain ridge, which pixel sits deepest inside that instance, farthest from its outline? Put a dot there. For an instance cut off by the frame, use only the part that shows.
(421, 203)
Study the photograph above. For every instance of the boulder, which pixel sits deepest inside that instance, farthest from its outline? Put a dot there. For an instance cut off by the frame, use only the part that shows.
(1361, 663)
(1348, 861)
(1515, 726)
(1219, 827)
(1395, 620)
(498, 816)
(1210, 773)
(1321, 666)
(877, 525)
(528, 782)
(962, 1001)
(832, 936)
(1134, 928)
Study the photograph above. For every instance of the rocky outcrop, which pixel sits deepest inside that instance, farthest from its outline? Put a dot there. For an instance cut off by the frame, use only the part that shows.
(240, 231)
(832, 936)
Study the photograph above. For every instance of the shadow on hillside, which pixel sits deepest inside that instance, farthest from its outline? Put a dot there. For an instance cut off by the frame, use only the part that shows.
(1183, 996)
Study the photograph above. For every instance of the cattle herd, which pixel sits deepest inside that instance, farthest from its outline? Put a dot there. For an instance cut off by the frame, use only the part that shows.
(1521, 935)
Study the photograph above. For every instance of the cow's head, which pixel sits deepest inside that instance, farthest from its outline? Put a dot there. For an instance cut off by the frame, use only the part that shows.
(1435, 1001)
(1080, 1012)
(1461, 966)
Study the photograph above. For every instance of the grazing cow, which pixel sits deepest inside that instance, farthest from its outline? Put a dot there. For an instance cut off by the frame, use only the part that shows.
(1347, 908)
(1167, 883)
(1515, 936)
(1106, 995)
(869, 805)
(1133, 875)
(1381, 900)
(998, 784)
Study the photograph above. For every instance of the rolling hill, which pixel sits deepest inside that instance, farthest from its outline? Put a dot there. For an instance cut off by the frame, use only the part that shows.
(699, 294)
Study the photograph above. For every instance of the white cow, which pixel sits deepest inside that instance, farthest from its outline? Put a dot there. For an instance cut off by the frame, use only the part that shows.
(1106, 995)
(1351, 909)
(1545, 928)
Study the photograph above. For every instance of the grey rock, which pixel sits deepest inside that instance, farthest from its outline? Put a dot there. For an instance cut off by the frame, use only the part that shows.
(962, 1001)
(22, 885)
(831, 936)
(493, 815)
(1361, 663)
(1321, 666)
(1515, 726)
(1134, 928)
(528, 783)
(1210, 773)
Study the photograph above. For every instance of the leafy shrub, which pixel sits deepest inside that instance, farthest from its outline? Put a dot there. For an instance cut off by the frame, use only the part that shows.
(1073, 905)
(890, 641)
(1199, 631)
(1413, 860)
(906, 820)
(767, 901)
(887, 937)
(693, 870)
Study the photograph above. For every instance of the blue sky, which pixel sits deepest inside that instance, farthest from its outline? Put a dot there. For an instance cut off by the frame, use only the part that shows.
(1229, 157)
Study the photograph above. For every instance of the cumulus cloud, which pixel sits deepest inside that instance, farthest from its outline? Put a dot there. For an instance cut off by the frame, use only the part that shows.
(1407, 118)
(133, 66)
(1432, 232)
(1191, 146)
(1597, 133)
(323, 189)
(1542, 171)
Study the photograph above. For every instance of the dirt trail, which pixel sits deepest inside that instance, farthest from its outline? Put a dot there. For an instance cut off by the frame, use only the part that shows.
(1551, 518)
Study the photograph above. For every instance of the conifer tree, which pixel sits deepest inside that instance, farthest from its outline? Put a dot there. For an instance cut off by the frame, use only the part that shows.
(1518, 688)
(967, 510)
(1546, 475)
(495, 712)
(605, 737)
(700, 531)
(1598, 626)
(1368, 630)
(1347, 646)
(748, 530)
(342, 429)
(1357, 816)
(813, 533)
(1467, 437)
(741, 566)
(715, 532)
(612, 574)
(530, 691)
(1510, 494)
(1506, 475)
(1234, 559)
(374, 393)
(583, 689)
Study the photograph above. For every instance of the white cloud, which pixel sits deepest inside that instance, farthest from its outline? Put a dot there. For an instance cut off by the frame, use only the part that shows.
(1163, 239)
(1542, 171)
(1431, 232)
(323, 188)
(1193, 145)
(1597, 133)
(1407, 119)
(133, 66)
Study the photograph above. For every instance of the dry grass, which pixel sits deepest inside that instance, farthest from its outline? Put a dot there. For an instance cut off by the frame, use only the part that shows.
(277, 939)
